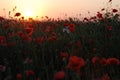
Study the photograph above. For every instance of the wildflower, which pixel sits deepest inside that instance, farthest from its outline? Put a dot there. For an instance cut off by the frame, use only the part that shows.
(102, 9)
(110, 0)
(30, 26)
(8, 77)
(109, 35)
(114, 10)
(64, 54)
(20, 33)
(69, 28)
(46, 17)
(3, 41)
(72, 27)
(103, 61)
(66, 24)
(1, 18)
(66, 30)
(38, 78)
(22, 18)
(99, 15)
(59, 75)
(29, 73)
(75, 63)
(53, 34)
(17, 14)
(26, 38)
(11, 44)
(86, 19)
(109, 28)
(94, 50)
(48, 29)
(29, 31)
(105, 77)
(6, 26)
(84, 37)
(40, 39)
(93, 18)
(52, 38)
(95, 60)
(91, 41)
(10, 35)
(78, 44)
(28, 61)
(2, 68)
(78, 47)
(113, 61)
(19, 76)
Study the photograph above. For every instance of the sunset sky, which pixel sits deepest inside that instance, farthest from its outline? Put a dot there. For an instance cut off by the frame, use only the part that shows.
(54, 8)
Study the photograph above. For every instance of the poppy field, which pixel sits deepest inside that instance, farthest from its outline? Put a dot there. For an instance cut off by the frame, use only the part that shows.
(69, 49)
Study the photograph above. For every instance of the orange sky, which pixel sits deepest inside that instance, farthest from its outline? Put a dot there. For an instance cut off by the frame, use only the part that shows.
(55, 8)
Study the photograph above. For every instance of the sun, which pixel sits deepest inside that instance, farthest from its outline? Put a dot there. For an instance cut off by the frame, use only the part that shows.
(28, 14)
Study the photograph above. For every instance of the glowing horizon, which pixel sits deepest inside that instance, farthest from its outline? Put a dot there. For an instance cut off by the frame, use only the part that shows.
(54, 8)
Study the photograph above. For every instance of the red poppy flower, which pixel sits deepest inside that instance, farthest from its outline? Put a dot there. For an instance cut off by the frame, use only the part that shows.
(66, 24)
(108, 27)
(19, 76)
(103, 61)
(113, 61)
(3, 41)
(38, 78)
(29, 31)
(20, 33)
(1, 18)
(72, 27)
(29, 73)
(95, 60)
(48, 29)
(52, 38)
(11, 44)
(86, 19)
(6, 26)
(95, 50)
(46, 17)
(114, 10)
(78, 44)
(64, 54)
(84, 37)
(75, 63)
(59, 75)
(91, 41)
(40, 39)
(93, 18)
(10, 35)
(2, 68)
(105, 77)
(27, 38)
(109, 35)
(28, 61)
(102, 9)
(110, 0)
(17, 14)
(99, 15)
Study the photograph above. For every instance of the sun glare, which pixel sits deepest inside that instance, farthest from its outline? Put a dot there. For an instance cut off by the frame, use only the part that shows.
(28, 14)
